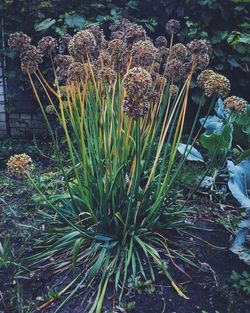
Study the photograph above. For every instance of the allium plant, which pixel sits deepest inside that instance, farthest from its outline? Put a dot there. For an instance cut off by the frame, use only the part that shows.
(122, 105)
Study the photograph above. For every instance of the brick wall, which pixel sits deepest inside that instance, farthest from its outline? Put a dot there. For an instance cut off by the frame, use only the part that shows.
(3, 122)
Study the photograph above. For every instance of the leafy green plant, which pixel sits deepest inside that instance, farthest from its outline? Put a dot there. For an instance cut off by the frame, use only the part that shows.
(241, 282)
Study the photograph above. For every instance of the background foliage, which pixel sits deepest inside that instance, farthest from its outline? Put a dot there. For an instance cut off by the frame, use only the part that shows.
(225, 23)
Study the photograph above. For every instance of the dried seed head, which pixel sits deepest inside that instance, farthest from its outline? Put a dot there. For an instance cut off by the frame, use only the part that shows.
(235, 104)
(174, 70)
(217, 85)
(63, 62)
(104, 59)
(178, 51)
(173, 90)
(47, 45)
(115, 47)
(50, 109)
(63, 42)
(19, 164)
(135, 33)
(143, 53)
(19, 41)
(161, 41)
(137, 82)
(201, 61)
(135, 107)
(82, 45)
(173, 26)
(203, 77)
(160, 83)
(120, 26)
(76, 72)
(30, 58)
(107, 75)
(198, 46)
(162, 55)
(156, 67)
(98, 34)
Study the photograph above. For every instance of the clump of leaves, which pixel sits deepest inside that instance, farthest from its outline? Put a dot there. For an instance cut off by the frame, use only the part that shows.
(241, 282)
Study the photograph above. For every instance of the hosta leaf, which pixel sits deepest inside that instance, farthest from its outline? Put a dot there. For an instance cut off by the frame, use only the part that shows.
(75, 21)
(215, 142)
(190, 152)
(239, 182)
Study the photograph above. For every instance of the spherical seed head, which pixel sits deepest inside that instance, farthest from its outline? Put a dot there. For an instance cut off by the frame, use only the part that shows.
(107, 75)
(135, 107)
(203, 77)
(47, 45)
(104, 59)
(135, 33)
(115, 47)
(173, 26)
(143, 53)
(178, 51)
(201, 61)
(30, 59)
(19, 41)
(137, 82)
(82, 45)
(63, 62)
(120, 25)
(174, 70)
(19, 164)
(198, 46)
(161, 41)
(160, 82)
(173, 90)
(76, 72)
(217, 85)
(162, 55)
(98, 34)
(50, 109)
(235, 103)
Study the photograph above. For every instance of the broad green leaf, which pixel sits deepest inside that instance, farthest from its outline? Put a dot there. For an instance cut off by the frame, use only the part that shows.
(75, 21)
(190, 152)
(216, 143)
(45, 24)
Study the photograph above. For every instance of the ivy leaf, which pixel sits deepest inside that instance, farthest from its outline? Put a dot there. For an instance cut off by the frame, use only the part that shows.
(190, 152)
(45, 24)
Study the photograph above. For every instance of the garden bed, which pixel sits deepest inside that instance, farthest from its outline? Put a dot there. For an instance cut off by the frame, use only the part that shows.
(209, 287)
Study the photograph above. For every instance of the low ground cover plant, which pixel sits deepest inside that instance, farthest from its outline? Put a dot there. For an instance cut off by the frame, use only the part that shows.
(121, 106)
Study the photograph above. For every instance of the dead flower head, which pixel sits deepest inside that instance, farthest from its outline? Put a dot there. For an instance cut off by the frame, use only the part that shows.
(217, 85)
(30, 58)
(173, 26)
(137, 82)
(235, 103)
(19, 41)
(19, 164)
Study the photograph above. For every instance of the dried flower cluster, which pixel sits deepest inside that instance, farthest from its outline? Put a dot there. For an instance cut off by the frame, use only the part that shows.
(138, 85)
(47, 45)
(144, 66)
(19, 164)
(173, 26)
(213, 84)
(235, 103)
